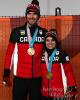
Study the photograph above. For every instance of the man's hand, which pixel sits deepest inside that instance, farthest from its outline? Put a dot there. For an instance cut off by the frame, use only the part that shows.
(6, 78)
(7, 81)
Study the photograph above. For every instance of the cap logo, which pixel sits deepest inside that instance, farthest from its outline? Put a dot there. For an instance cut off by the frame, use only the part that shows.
(34, 6)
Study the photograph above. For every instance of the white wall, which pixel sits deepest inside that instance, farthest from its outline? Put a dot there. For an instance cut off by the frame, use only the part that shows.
(17, 7)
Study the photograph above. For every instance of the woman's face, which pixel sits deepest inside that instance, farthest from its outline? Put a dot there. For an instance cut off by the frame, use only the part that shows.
(50, 43)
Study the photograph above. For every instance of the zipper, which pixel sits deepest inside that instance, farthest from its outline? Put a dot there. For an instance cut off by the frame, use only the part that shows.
(48, 88)
(32, 66)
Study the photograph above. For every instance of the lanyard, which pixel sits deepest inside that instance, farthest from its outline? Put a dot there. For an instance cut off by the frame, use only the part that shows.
(31, 40)
(49, 64)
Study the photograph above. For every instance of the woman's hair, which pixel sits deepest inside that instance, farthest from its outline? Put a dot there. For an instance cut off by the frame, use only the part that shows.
(52, 33)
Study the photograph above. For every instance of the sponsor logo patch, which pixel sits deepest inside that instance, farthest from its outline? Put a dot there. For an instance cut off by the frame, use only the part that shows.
(40, 31)
(22, 32)
(67, 58)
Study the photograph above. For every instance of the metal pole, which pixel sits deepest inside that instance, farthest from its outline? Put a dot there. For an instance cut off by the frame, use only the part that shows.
(58, 11)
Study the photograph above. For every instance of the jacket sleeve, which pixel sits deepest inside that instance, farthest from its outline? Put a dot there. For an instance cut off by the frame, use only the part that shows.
(67, 69)
(10, 49)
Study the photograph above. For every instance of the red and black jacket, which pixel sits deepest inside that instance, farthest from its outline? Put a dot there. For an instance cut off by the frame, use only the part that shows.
(61, 70)
(25, 66)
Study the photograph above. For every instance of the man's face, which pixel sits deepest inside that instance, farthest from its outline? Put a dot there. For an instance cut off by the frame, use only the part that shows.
(32, 18)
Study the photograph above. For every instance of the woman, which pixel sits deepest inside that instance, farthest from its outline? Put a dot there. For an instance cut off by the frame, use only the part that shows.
(56, 71)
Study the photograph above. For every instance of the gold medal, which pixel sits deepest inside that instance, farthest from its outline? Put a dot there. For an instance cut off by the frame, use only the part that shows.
(31, 51)
(49, 75)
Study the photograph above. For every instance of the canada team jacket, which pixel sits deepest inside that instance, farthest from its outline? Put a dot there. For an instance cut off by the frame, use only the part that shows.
(62, 76)
(24, 65)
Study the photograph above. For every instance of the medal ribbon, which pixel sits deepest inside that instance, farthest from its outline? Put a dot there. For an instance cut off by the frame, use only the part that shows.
(31, 40)
(49, 64)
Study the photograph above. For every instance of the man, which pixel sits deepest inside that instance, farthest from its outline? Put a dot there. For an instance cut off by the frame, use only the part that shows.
(25, 51)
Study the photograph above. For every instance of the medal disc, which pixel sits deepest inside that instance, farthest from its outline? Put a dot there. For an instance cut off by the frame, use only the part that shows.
(49, 75)
(31, 51)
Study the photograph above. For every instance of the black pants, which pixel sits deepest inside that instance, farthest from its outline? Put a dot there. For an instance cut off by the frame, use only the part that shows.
(48, 98)
(23, 87)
